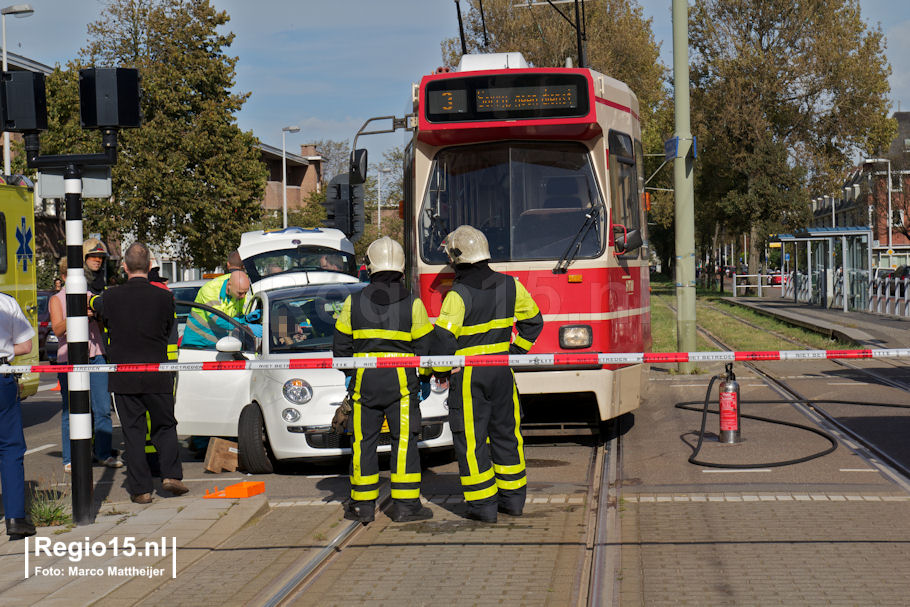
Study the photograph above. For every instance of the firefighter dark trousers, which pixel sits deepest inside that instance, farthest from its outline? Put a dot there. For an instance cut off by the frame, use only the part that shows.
(485, 417)
(404, 428)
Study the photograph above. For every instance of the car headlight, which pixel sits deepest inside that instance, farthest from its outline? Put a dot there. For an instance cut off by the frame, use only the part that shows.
(51, 339)
(290, 415)
(575, 336)
(297, 391)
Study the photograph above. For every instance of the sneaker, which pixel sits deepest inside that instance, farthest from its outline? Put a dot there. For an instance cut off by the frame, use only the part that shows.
(174, 485)
(68, 468)
(403, 514)
(141, 498)
(112, 462)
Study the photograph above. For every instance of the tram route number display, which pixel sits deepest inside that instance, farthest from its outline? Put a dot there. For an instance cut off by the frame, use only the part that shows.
(489, 98)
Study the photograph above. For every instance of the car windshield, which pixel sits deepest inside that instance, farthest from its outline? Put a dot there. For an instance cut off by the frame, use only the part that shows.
(184, 294)
(304, 319)
(42, 303)
(305, 258)
(529, 199)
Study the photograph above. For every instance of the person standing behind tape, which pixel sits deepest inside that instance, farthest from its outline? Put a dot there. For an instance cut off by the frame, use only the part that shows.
(140, 318)
(477, 317)
(15, 339)
(384, 319)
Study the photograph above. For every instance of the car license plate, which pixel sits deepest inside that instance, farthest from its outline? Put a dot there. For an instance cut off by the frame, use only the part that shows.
(385, 426)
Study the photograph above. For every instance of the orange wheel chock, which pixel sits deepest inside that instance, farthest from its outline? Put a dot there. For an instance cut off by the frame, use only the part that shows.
(238, 490)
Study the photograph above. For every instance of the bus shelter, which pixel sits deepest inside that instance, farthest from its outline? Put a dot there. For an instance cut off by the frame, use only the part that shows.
(827, 267)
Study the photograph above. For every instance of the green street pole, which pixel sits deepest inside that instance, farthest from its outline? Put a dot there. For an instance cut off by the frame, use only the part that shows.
(682, 183)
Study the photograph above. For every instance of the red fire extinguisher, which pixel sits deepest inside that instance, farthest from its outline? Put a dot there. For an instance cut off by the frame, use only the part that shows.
(729, 408)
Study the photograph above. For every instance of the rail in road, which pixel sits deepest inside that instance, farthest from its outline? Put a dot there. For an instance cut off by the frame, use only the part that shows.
(880, 442)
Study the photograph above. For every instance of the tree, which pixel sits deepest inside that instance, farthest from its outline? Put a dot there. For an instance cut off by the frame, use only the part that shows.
(785, 93)
(336, 157)
(189, 177)
(311, 215)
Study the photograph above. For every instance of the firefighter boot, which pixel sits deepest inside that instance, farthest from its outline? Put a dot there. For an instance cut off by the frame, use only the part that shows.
(409, 511)
(359, 511)
(484, 514)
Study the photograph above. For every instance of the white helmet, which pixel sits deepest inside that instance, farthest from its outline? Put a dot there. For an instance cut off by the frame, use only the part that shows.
(385, 255)
(466, 244)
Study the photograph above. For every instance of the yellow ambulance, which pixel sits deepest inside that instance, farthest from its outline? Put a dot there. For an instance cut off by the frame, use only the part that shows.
(17, 266)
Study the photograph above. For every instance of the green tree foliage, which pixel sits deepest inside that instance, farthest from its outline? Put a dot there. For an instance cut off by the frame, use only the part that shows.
(311, 215)
(785, 94)
(189, 176)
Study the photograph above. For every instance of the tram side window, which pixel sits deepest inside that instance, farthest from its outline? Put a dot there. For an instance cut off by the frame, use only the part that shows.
(626, 205)
(2, 243)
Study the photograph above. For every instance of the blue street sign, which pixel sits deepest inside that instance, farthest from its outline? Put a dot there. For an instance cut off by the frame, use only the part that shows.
(671, 148)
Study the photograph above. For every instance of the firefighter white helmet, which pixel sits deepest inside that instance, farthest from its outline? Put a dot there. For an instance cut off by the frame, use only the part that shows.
(466, 244)
(385, 255)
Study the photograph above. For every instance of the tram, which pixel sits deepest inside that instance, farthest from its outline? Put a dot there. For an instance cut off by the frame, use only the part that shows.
(547, 163)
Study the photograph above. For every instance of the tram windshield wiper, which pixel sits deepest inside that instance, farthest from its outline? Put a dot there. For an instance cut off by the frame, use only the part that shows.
(572, 250)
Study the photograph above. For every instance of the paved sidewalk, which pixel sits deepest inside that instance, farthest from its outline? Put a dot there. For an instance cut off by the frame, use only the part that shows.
(68, 577)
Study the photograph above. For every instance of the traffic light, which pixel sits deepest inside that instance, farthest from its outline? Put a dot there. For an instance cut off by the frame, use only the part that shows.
(344, 207)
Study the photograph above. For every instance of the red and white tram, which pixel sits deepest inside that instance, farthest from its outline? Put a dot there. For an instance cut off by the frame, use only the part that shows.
(548, 164)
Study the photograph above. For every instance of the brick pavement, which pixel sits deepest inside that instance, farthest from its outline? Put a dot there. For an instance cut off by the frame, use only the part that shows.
(780, 552)
(532, 560)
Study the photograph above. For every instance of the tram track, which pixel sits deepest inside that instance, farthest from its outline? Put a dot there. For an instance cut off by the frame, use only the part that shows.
(595, 578)
(863, 445)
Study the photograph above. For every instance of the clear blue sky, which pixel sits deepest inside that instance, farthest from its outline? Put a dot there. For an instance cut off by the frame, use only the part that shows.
(327, 66)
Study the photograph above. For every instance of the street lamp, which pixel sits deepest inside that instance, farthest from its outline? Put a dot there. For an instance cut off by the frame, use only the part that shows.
(890, 219)
(19, 10)
(379, 202)
(284, 172)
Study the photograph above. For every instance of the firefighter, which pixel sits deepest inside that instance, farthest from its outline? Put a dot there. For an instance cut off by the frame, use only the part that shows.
(384, 319)
(477, 317)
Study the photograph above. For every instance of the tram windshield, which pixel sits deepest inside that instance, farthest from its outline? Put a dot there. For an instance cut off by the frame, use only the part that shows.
(529, 199)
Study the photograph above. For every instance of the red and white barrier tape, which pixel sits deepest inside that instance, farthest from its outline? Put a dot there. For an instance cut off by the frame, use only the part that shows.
(513, 360)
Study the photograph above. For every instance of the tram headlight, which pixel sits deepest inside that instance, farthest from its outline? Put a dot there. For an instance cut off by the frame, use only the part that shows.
(575, 336)
(297, 391)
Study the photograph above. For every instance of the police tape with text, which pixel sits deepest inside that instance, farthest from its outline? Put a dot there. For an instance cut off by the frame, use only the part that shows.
(486, 360)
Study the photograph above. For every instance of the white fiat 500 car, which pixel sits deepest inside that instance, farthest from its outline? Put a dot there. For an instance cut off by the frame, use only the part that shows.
(283, 414)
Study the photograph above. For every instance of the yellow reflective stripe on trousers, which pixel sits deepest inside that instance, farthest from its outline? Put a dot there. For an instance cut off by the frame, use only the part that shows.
(521, 342)
(413, 477)
(381, 334)
(475, 479)
(515, 469)
(480, 493)
(364, 495)
(497, 323)
(468, 413)
(500, 348)
(516, 411)
(404, 421)
(358, 431)
(512, 484)
(367, 480)
(405, 494)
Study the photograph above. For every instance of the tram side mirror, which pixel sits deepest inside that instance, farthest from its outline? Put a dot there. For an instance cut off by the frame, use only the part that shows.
(624, 240)
(358, 167)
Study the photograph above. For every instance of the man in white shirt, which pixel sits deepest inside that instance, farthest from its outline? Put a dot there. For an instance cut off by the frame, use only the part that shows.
(15, 339)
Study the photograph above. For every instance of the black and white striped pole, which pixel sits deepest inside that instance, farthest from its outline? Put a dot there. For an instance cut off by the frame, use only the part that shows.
(109, 100)
(80, 410)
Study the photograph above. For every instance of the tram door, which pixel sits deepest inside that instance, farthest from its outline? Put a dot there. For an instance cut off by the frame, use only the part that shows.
(820, 276)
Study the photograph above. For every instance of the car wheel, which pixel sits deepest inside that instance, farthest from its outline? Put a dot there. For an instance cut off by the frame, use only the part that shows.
(252, 442)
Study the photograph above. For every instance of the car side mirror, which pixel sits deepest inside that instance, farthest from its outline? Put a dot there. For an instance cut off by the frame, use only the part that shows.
(229, 344)
(626, 241)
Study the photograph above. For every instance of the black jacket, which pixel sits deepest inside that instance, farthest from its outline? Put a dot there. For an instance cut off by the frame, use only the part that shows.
(139, 317)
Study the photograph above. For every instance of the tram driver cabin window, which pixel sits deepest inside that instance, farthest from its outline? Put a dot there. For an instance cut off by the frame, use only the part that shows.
(626, 204)
(530, 199)
(2, 243)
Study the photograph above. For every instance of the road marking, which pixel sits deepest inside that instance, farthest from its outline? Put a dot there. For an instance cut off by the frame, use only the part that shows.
(858, 470)
(752, 498)
(726, 470)
(41, 448)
